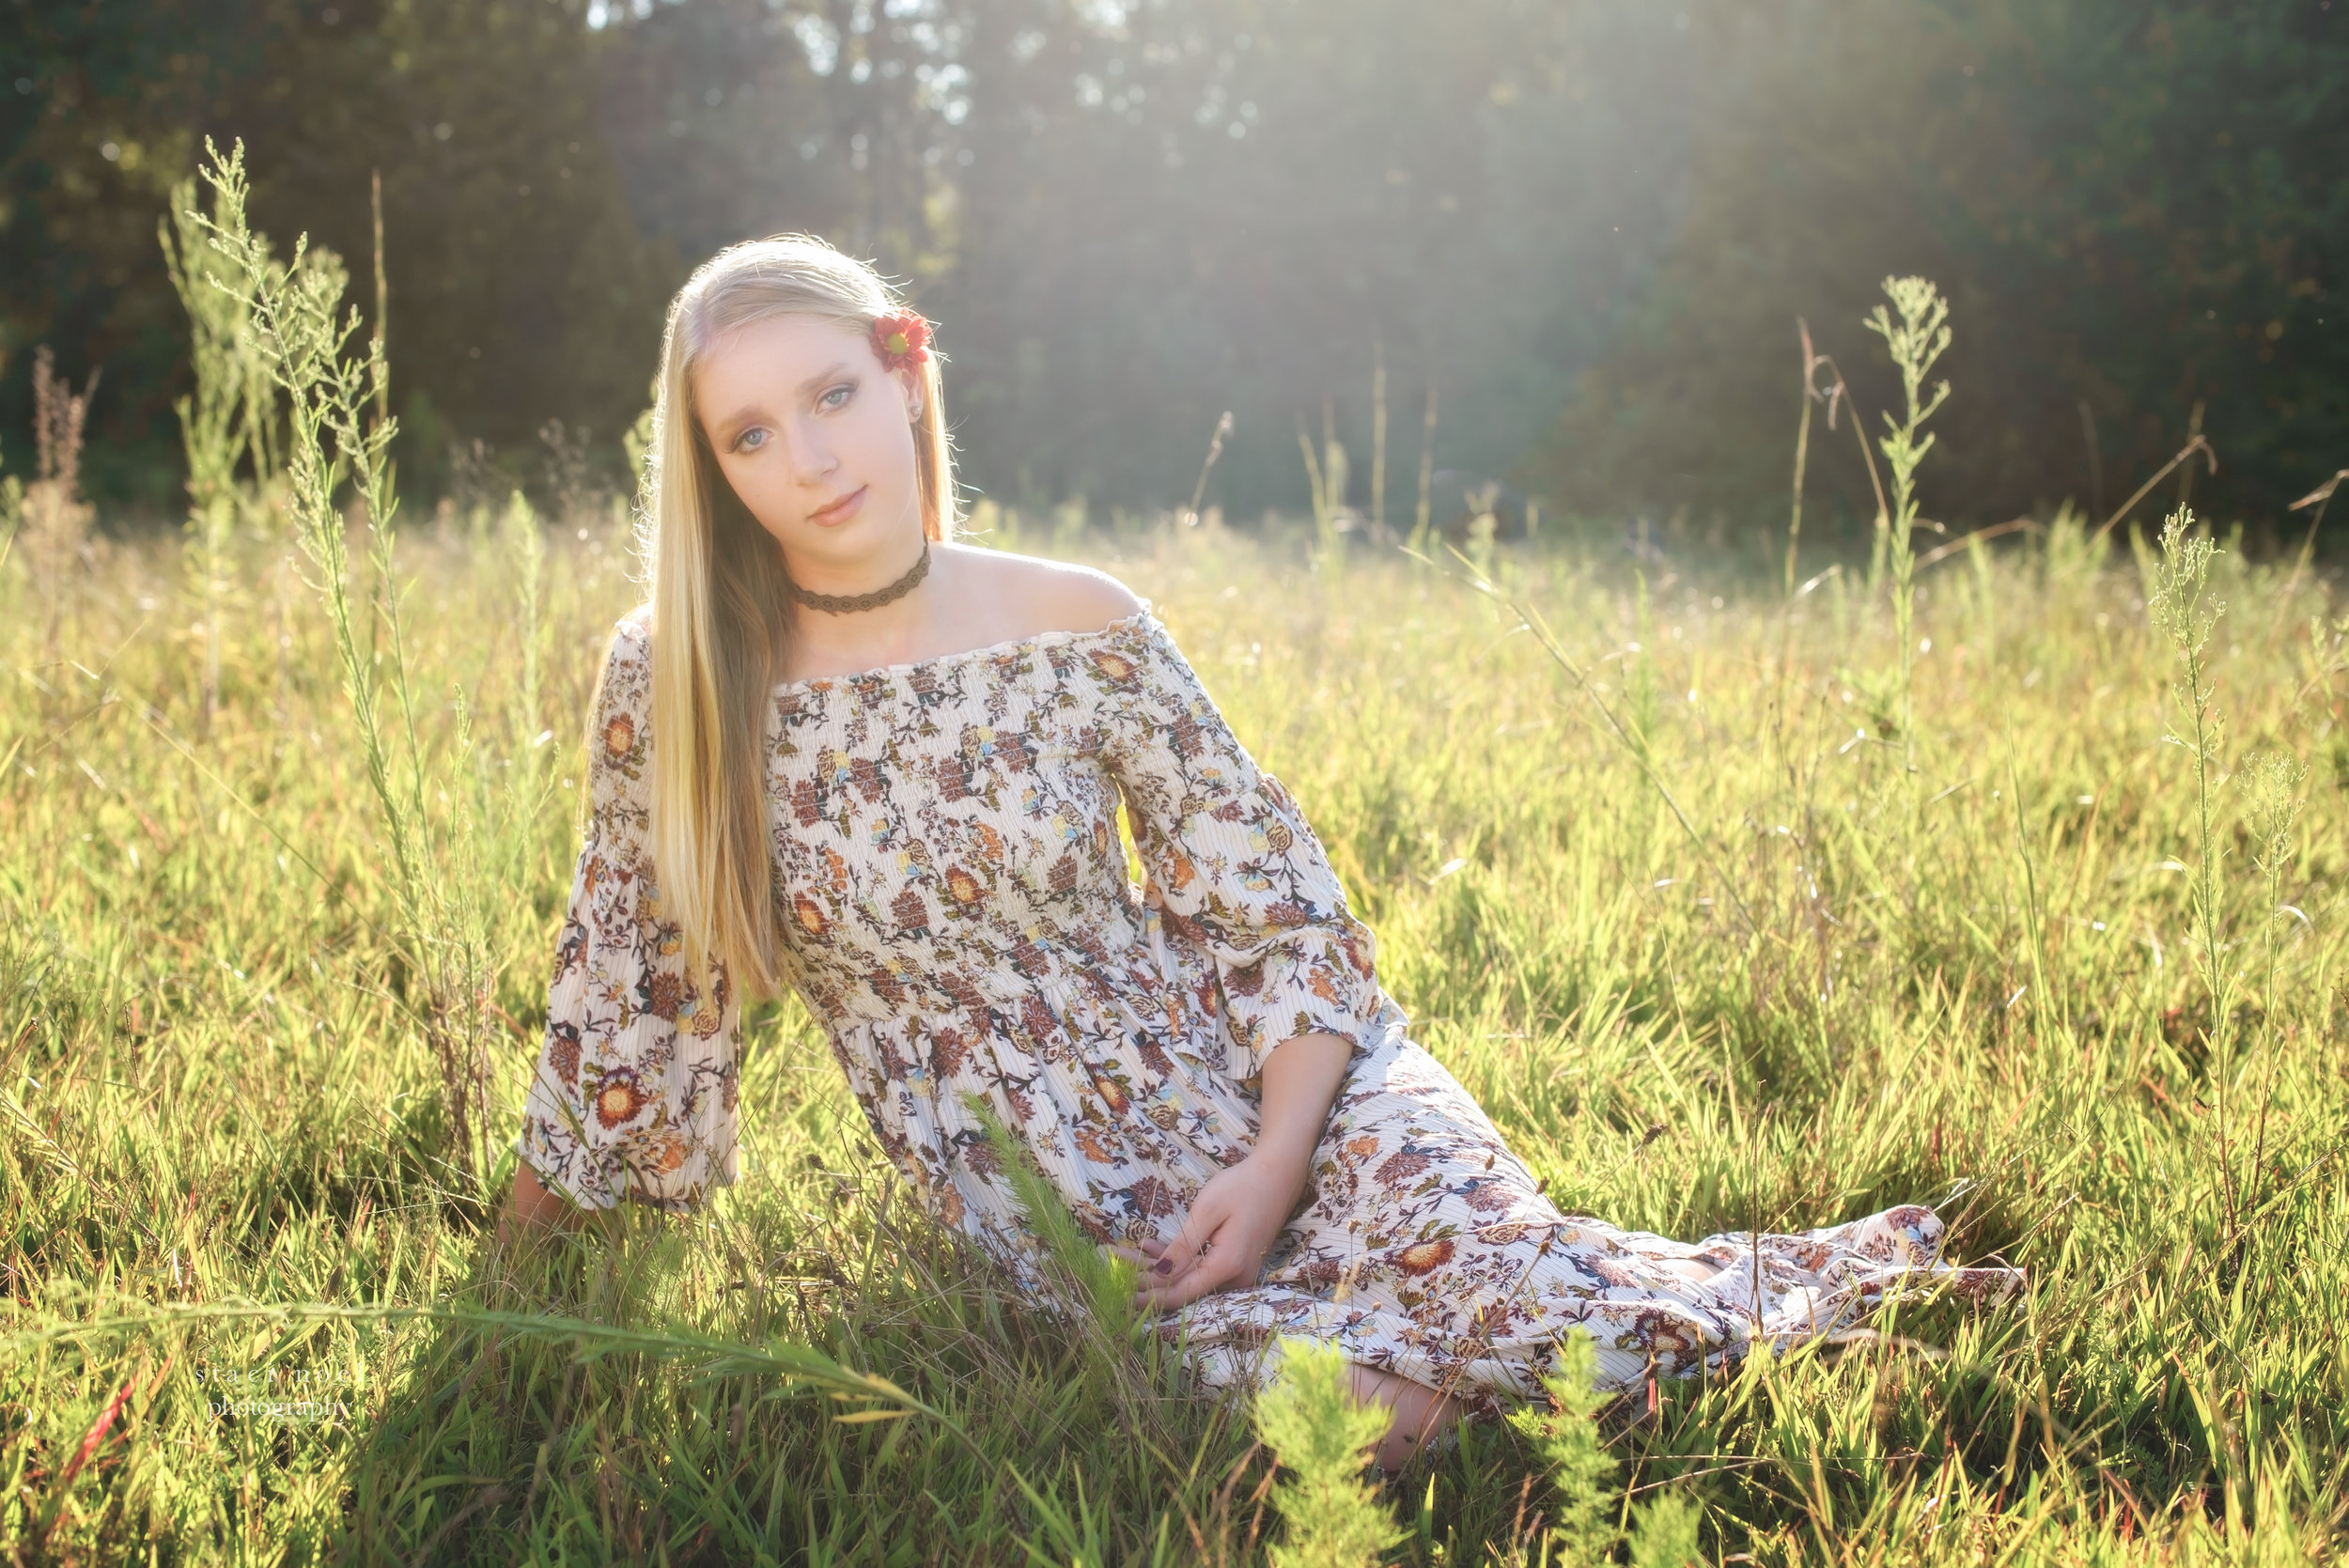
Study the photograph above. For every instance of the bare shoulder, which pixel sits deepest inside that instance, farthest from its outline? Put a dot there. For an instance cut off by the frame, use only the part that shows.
(1034, 596)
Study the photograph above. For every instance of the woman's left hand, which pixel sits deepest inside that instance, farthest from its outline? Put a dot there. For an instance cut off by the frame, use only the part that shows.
(1223, 1238)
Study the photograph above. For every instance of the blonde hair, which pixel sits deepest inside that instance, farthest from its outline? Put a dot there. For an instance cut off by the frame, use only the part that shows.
(719, 604)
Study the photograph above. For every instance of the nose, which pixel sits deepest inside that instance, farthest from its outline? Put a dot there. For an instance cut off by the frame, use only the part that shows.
(813, 459)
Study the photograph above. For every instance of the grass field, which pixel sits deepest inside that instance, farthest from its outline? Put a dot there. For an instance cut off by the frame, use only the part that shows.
(1964, 964)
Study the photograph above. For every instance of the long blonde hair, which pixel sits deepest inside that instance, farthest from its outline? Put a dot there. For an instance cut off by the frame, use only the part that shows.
(719, 604)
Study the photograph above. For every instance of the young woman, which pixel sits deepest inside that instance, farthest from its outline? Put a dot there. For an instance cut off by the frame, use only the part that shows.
(840, 753)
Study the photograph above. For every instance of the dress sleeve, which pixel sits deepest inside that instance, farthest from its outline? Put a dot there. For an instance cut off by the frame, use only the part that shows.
(1233, 865)
(634, 1092)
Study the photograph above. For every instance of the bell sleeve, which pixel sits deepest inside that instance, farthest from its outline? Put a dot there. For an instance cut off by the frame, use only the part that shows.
(1233, 866)
(634, 1092)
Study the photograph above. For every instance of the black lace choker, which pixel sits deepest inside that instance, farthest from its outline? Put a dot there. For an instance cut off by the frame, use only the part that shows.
(848, 604)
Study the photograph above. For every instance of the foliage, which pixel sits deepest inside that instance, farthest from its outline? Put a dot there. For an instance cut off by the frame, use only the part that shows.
(2136, 209)
(1666, 1535)
(1568, 1442)
(2180, 607)
(1581, 1471)
(1309, 1419)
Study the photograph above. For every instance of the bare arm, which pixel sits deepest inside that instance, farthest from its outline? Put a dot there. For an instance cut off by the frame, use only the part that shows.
(1242, 1207)
(1300, 1080)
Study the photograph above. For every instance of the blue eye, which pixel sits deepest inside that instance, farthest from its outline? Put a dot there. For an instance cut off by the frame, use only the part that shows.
(750, 439)
(838, 396)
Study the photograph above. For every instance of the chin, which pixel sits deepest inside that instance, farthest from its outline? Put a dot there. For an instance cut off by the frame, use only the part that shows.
(880, 522)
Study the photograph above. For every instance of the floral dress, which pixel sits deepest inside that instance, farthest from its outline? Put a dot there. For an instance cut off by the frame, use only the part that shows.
(956, 910)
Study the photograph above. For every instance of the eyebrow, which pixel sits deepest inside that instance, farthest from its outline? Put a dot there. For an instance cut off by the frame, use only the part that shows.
(824, 378)
(727, 429)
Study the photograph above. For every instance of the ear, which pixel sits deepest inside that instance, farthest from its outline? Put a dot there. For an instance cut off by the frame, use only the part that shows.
(917, 395)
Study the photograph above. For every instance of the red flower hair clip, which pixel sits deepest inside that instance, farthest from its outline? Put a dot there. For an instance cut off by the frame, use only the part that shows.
(901, 340)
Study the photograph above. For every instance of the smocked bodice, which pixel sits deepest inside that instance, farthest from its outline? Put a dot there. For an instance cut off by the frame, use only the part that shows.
(945, 834)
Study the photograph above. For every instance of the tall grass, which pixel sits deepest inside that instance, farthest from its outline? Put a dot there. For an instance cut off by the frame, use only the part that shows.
(1716, 954)
(217, 1092)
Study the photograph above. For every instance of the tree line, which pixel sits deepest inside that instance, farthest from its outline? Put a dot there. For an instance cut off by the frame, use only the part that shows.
(1586, 226)
(2139, 211)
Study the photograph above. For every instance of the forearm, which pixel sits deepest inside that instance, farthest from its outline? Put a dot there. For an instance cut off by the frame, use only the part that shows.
(1299, 1083)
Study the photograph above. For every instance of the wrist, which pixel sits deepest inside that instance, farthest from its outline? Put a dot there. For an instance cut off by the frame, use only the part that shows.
(1279, 1156)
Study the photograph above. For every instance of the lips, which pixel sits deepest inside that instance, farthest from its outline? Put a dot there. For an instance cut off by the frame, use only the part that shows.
(840, 511)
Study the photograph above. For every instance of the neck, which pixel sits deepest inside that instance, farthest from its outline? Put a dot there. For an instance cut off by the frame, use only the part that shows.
(873, 634)
(863, 575)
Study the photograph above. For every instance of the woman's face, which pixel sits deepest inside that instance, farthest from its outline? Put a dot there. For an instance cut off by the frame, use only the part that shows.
(816, 438)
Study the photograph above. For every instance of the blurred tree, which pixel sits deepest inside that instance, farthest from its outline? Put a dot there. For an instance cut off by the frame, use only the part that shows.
(520, 286)
(2138, 207)
(1129, 216)
(733, 118)
(96, 104)
(1176, 210)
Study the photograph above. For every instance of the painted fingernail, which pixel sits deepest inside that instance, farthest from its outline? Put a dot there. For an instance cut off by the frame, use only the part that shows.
(1164, 1265)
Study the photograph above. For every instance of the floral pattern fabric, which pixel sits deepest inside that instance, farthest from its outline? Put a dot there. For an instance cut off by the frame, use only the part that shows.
(956, 909)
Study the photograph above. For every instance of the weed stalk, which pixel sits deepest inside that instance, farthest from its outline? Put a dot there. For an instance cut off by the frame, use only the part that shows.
(2270, 782)
(1915, 341)
(56, 519)
(2181, 609)
(294, 321)
(1427, 476)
